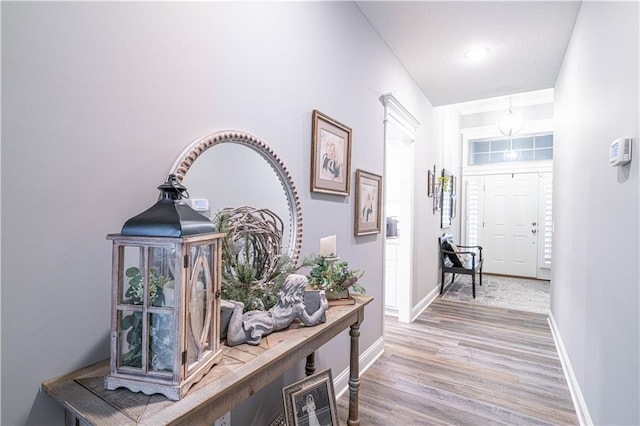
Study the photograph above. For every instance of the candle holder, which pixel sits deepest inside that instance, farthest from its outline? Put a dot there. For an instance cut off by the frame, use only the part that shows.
(331, 294)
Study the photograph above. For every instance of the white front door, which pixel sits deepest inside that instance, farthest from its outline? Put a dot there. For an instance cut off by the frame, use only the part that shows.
(511, 224)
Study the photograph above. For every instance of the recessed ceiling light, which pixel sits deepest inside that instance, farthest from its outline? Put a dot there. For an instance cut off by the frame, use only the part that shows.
(476, 54)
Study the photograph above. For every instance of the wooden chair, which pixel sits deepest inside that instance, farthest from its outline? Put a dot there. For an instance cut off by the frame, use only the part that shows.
(457, 261)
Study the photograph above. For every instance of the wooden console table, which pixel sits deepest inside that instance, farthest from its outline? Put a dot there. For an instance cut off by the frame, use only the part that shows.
(243, 371)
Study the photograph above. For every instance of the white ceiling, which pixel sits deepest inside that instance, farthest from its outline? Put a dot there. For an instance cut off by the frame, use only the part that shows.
(526, 40)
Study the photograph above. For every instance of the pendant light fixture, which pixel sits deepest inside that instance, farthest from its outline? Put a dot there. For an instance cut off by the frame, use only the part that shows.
(510, 122)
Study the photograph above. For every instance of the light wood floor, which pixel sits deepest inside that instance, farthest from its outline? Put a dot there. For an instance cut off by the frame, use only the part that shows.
(465, 364)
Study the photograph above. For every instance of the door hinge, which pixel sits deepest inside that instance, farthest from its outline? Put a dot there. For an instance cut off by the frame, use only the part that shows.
(186, 261)
(184, 357)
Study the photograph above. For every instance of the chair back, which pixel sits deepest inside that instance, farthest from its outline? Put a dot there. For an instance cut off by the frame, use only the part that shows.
(444, 242)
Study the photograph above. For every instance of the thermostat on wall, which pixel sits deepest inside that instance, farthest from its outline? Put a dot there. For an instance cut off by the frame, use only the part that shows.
(620, 152)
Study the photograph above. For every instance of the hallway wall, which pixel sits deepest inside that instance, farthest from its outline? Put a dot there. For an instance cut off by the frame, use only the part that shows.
(98, 100)
(595, 272)
(445, 154)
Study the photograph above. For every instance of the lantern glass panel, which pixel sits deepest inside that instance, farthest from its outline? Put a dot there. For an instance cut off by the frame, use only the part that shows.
(130, 337)
(200, 295)
(162, 262)
(161, 342)
(131, 281)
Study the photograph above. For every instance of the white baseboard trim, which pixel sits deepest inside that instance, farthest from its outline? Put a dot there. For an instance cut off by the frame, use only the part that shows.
(417, 309)
(424, 303)
(574, 387)
(392, 312)
(367, 358)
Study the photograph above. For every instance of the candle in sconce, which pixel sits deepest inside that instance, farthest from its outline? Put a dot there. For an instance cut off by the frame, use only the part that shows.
(328, 246)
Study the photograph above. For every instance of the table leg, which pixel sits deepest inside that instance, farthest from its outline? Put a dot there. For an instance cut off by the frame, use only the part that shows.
(310, 366)
(354, 376)
(70, 419)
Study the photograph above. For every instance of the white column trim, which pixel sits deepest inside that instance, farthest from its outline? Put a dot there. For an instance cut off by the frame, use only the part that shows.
(397, 115)
(393, 108)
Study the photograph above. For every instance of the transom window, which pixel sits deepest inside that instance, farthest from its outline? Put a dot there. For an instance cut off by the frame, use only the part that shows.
(507, 150)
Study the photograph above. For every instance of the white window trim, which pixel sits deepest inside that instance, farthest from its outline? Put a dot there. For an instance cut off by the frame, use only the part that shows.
(488, 132)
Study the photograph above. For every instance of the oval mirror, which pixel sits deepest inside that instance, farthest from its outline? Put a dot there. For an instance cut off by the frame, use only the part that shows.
(220, 169)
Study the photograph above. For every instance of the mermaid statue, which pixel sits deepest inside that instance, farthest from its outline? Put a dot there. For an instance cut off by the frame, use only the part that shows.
(251, 326)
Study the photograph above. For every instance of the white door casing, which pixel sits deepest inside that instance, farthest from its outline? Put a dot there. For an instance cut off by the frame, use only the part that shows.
(391, 278)
(400, 125)
(475, 200)
(398, 182)
(477, 204)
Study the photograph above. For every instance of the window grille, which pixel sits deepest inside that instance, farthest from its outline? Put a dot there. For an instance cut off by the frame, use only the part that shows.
(506, 150)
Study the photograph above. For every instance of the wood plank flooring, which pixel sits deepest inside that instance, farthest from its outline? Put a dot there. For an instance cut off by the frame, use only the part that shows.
(465, 364)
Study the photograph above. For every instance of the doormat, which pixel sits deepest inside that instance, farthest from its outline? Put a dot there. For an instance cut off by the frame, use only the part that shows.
(505, 292)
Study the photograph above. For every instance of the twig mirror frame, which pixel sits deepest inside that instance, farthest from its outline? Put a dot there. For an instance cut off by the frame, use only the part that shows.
(188, 156)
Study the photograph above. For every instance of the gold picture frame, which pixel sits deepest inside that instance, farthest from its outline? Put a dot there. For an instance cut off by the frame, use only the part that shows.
(311, 400)
(368, 209)
(330, 155)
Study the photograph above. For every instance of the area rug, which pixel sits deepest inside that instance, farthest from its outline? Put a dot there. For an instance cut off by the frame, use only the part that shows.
(505, 292)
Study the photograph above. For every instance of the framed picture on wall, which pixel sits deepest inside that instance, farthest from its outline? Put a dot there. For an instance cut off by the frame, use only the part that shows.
(446, 199)
(368, 203)
(454, 206)
(311, 401)
(430, 183)
(330, 155)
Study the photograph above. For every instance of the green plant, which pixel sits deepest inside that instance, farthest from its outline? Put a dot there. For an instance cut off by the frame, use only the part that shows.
(444, 183)
(334, 276)
(160, 329)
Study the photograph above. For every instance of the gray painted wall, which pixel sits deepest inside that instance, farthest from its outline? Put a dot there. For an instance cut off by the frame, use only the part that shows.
(529, 113)
(595, 276)
(100, 98)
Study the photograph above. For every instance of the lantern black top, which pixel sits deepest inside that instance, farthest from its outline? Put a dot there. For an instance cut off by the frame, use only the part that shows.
(170, 216)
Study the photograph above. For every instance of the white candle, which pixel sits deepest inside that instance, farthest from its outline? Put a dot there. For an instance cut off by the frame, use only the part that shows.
(328, 246)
